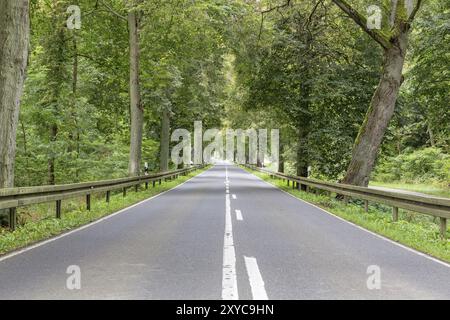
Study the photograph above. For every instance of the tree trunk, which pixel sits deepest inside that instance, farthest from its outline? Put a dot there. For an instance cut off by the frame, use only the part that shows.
(136, 110)
(51, 158)
(74, 106)
(281, 159)
(431, 135)
(304, 119)
(25, 151)
(380, 112)
(164, 143)
(14, 38)
(302, 157)
(259, 163)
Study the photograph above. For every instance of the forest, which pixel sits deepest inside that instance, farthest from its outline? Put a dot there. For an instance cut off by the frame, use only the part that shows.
(352, 96)
(96, 96)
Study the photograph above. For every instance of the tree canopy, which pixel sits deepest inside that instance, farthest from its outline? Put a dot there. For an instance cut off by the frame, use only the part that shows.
(102, 97)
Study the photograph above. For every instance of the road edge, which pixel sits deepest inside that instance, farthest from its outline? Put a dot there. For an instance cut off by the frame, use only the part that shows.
(45, 241)
(420, 253)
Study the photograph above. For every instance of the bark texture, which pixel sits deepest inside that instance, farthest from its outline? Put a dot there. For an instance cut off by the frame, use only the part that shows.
(14, 39)
(281, 158)
(379, 114)
(136, 109)
(165, 140)
(394, 41)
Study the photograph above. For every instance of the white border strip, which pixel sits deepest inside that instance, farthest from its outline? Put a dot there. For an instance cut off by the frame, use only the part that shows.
(44, 242)
(357, 226)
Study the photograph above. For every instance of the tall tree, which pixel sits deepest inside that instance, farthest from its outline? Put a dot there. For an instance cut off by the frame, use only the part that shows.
(14, 38)
(57, 83)
(136, 109)
(164, 140)
(393, 39)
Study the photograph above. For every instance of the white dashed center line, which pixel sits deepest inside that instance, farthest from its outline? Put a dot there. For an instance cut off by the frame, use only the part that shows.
(229, 282)
(229, 279)
(256, 281)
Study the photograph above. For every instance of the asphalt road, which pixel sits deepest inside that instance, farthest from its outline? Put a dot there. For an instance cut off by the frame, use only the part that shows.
(224, 234)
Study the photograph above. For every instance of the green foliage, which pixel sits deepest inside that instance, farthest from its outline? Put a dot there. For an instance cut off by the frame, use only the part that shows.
(423, 165)
(434, 189)
(302, 68)
(313, 78)
(422, 118)
(78, 84)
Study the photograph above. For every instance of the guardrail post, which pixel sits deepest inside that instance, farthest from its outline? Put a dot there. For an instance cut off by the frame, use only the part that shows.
(88, 202)
(108, 196)
(12, 219)
(154, 182)
(124, 192)
(136, 188)
(443, 227)
(287, 182)
(146, 185)
(394, 214)
(366, 205)
(159, 181)
(58, 209)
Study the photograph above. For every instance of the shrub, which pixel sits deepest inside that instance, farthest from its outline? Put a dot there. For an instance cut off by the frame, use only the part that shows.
(424, 165)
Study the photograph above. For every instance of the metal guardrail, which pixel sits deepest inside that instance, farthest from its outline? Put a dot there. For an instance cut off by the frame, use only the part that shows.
(434, 206)
(11, 198)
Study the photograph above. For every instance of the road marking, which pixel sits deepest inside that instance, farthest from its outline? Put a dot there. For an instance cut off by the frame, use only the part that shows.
(234, 197)
(239, 215)
(44, 242)
(424, 255)
(227, 185)
(229, 281)
(256, 280)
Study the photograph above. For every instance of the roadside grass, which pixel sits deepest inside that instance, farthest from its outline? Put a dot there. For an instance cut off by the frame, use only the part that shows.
(439, 190)
(415, 230)
(38, 222)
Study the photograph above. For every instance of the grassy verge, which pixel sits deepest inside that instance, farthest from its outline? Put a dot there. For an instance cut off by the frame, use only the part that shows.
(38, 222)
(417, 231)
(432, 189)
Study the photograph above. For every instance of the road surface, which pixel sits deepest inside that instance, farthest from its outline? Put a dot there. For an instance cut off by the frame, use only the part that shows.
(224, 234)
